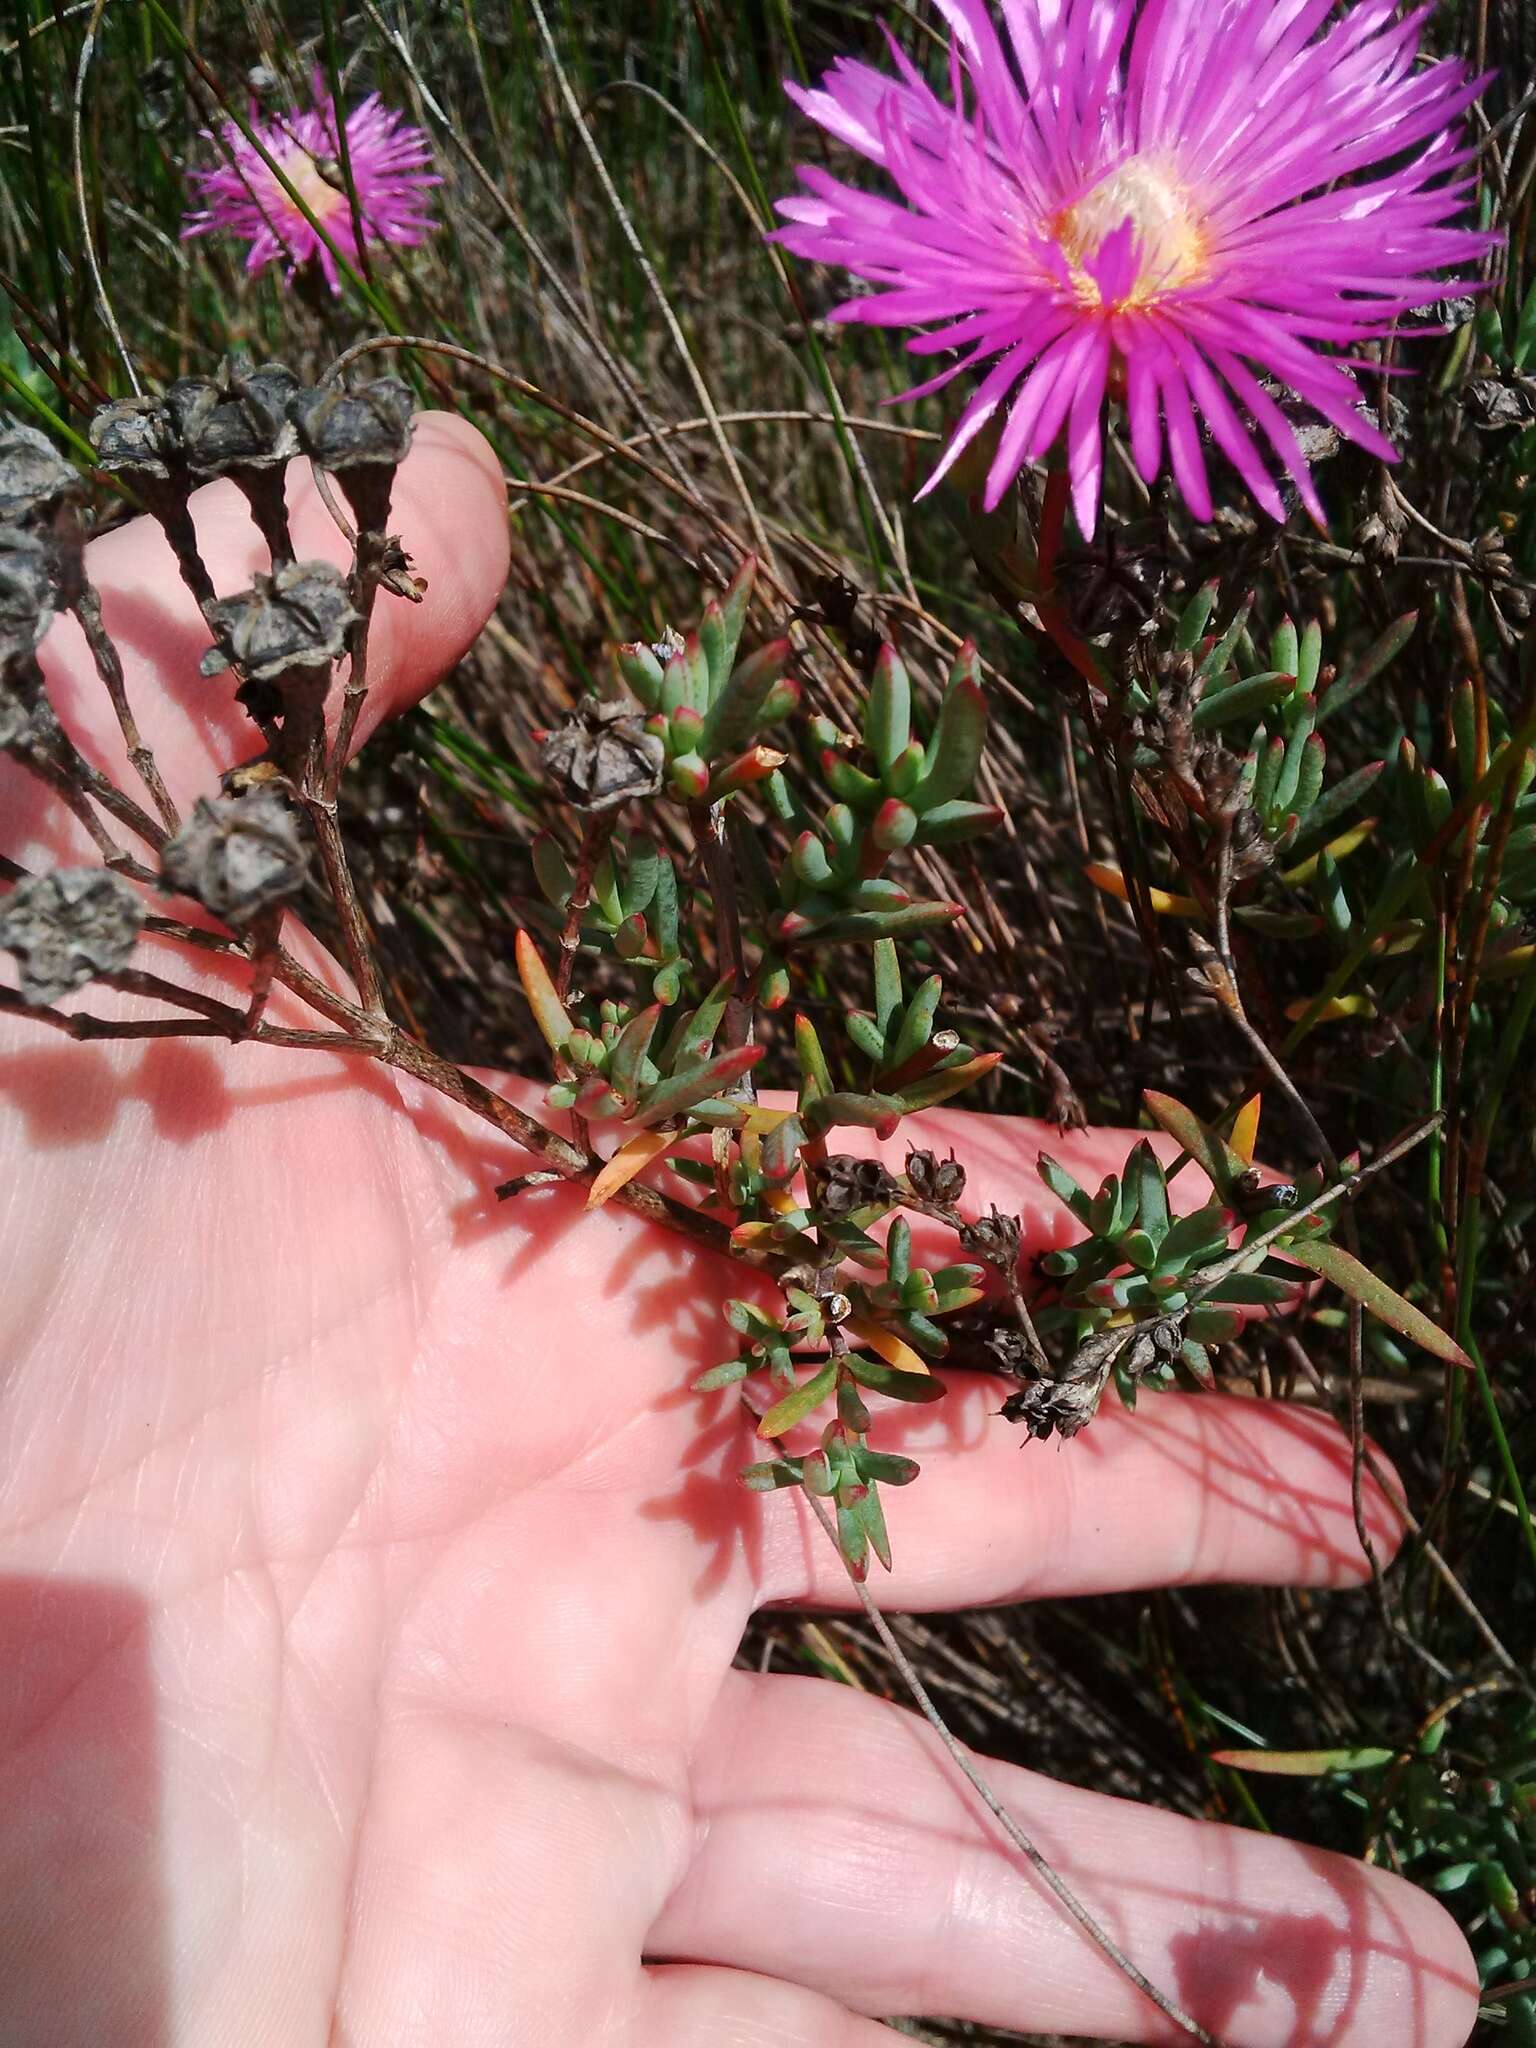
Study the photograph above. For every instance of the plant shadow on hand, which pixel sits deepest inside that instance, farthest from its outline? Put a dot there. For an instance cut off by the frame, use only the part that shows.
(1260, 1953)
(83, 1933)
(667, 1287)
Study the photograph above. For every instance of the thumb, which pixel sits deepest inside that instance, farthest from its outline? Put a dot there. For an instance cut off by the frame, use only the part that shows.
(449, 509)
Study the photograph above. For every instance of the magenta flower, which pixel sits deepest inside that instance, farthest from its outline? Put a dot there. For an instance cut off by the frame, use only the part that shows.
(1162, 202)
(391, 168)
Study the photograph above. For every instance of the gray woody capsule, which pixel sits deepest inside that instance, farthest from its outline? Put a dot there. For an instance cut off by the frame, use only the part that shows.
(602, 756)
(28, 592)
(68, 926)
(294, 619)
(237, 855)
(941, 1181)
(133, 439)
(34, 477)
(367, 428)
(237, 422)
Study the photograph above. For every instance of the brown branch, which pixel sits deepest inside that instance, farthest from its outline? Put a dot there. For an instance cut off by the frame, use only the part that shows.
(87, 609)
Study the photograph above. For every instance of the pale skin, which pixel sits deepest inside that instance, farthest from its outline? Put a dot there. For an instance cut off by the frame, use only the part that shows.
(370, 1580)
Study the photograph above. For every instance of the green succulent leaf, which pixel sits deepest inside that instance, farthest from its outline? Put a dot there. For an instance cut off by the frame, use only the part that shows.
(643, 673)
(1194, 1238)
(725, 1375)
(890, 1380)
(1211, 1152)
(1196, 1361)
(1347, 1273)
(1284, 649)
(872, 1515)
(781, 1148)
(853, 1540)
(776, 1472)
(626, 1061)
(945, 1082)
(737, 713)
(898, 1251)
(894, 825)
(1288, 780)
(1215, 662)
(1213, 1325)
(888, 714)
(1065, 1188)
(1242, 700)
(958, 741)
(693, 1034)
(1254, 1290)
(1354, 677)
(951, 824)
(808, 857)
(1195, 617)
(733, 602)
(851, 1411)
(1148, 1188)
(812, 1059)
(880, 924)
(685, 679)
(799, 1402)
(887, 966)
(1302, 1763)
(851, 785)
(696, 1085)
(552, 870)
(1309, 658)
(841, 1106)
(884, 1467)
(917, 1025)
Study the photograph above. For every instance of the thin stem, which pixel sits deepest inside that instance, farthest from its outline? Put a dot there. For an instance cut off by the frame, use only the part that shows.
(1048, 605)
(653, 282)
(595, 840)
(1035, 1858)
(343, 892)
(367, 573)
(709, 831)
(74, 799)
(109, 667)
(1212, 1276)
(410, 1056)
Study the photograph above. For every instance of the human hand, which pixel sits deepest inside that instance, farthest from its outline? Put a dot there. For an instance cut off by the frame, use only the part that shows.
(369, 1579)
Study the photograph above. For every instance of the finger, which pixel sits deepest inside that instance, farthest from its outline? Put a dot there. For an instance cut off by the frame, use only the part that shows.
(449, 508)
(1191, 1489)
(838, 1847)
(705, 2008)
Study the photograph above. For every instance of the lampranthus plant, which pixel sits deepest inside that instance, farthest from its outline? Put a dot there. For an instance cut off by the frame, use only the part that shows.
(765, 835)
(313, 149)
(1184, 208)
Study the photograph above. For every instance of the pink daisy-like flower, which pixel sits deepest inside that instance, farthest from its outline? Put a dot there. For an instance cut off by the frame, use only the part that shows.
(391, 169)
(1164, 202)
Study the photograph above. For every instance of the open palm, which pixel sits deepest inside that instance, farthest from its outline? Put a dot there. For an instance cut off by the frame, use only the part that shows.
(370, 1581)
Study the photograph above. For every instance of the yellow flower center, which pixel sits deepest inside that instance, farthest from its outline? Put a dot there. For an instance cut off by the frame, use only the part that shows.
(320, 187)
(1170, 246)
